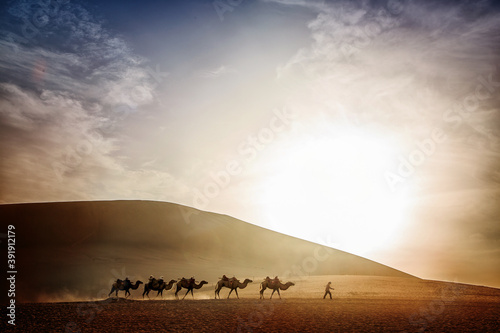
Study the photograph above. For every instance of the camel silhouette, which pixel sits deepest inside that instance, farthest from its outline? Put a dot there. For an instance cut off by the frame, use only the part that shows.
(157, 286)
(231, 284)
(275, 286)
(124, 285)
(189, 285)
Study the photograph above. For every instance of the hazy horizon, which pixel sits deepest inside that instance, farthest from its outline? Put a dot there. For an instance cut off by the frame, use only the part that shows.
(368, 126)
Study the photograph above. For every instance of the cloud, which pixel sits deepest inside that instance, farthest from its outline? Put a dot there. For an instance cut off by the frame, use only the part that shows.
(61, 106)
(53, 149)
(313, 4)
(408, 68)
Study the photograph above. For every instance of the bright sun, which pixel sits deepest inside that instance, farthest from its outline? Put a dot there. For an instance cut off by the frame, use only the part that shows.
(332, 191)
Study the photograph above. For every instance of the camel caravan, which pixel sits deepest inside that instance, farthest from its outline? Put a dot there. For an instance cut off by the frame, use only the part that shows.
(160, 285)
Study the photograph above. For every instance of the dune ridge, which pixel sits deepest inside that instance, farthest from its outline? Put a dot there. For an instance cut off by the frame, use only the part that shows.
(74, 250)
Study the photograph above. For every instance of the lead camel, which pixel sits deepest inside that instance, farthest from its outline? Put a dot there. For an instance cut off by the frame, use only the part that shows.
(275, 286)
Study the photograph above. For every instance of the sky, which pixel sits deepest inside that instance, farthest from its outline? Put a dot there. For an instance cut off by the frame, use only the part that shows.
(368, 126)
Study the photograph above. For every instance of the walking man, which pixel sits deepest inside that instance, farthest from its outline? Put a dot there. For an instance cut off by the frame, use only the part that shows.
(327, 290)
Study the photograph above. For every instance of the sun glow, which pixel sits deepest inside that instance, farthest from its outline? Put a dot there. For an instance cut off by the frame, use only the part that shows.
(332, 191)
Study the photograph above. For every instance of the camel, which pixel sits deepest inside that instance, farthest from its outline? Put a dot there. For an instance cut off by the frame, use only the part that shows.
(189, 285)
(275, 286)
(232, 284)
(124, 285)
(157, 286)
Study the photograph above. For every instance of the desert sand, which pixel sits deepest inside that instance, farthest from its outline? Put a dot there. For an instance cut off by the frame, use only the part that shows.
(359, 304)
(69, 254)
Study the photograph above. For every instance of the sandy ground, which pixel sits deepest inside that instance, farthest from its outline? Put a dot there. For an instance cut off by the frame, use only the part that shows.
(360, 304)
(247, 315)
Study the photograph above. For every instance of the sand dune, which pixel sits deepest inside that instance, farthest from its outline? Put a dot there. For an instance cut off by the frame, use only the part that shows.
(68, 254)
(74, 250)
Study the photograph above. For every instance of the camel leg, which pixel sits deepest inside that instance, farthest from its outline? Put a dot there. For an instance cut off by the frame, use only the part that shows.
(230, 291)
(179, 288)
(217, 292)
(112, 289)
(272, 294)
(279, 293)
(236, 291)
(186, 294)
